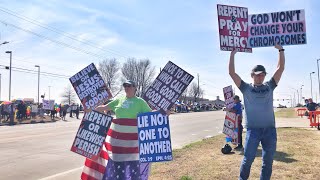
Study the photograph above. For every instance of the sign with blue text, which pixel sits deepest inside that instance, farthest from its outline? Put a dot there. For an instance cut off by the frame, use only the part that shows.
(154, 137)
(284, 28)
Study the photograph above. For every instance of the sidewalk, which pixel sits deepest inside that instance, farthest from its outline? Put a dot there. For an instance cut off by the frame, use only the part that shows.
(293, 122)
(45, 119)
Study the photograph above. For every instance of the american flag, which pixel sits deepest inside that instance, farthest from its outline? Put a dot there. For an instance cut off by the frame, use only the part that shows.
(119, 157)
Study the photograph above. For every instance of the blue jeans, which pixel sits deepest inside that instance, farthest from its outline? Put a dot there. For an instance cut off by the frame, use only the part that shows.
(268, 139)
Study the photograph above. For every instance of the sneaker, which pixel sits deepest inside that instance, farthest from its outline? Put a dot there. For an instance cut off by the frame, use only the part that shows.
(239, 147)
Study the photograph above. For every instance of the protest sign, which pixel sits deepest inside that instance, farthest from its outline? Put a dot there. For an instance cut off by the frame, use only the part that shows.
(284, 28)
(91, 134)
(167, 87)
(90, 87)
(228, 96)
(48, 104)
(154, 137)
(230, 125)
(34, 108)
(233, 28)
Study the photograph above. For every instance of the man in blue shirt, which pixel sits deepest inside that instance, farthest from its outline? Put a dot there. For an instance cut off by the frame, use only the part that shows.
(311, 106)
(260, 120)
(237, 108)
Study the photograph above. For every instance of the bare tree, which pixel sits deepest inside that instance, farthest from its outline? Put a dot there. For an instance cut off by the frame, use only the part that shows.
(184, 95)
(140, 71)
(69, 95)
(108, 69)
(195, 91)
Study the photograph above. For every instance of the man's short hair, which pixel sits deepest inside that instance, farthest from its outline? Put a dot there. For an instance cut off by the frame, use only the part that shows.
(258, 69)
(236, 97)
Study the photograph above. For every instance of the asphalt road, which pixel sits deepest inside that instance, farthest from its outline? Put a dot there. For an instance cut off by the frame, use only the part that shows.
(42, 151)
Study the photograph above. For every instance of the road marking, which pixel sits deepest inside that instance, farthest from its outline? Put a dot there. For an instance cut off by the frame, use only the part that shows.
(207, 136)
(193, 134)
(63, 173)
(206, 130)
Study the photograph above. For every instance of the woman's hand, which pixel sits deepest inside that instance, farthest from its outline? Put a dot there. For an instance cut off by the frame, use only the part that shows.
(101, 108)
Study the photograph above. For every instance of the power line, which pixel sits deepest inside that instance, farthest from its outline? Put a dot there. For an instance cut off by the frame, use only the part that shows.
(29, 62)
(70, 36)
(58, 42)
(36, 72)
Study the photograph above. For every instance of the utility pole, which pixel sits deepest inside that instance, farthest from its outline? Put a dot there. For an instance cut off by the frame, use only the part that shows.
(49, 92)
(10, 52)
(298, 97)
(311, 84)
(0, 86)
(198, 88)
(38, 83)
(318, 74)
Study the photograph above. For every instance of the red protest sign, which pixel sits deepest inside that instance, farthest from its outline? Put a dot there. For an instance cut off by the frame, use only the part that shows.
(233, 28)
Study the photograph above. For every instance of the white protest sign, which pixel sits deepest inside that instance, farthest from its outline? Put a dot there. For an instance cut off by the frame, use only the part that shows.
(48, 104)
(154, 137)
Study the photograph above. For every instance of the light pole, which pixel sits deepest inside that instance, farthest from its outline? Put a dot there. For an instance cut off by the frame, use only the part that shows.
(311, 84)
(6, 42)
(301, 93)
(11, 107)
(38, 82)
(318, 75)
(298, 97)
(10, 52)
(0, 86)
(49, 92)
(295, 101)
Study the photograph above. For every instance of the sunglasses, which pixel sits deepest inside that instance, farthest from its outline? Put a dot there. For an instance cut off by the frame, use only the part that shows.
(127, 85)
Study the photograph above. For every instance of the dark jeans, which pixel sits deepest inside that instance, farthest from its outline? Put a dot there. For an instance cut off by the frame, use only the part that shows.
(268, 139)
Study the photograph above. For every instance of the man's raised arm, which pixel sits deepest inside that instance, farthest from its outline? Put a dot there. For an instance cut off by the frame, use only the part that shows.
(236, 78)
(281, 62)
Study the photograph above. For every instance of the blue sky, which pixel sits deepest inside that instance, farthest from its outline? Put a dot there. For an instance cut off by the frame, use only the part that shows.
(185, 32)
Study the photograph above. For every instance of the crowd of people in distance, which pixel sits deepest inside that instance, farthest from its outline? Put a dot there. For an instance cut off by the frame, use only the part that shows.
(27, 110)
(196, 107)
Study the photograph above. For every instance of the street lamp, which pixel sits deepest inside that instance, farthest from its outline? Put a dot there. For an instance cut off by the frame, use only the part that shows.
(311, 84)
(38, 82)
(6, 42)
(318, 75)
(11, 107)
(49, 92)
(10, 52)
(0, 86)
(296, 101)
(301, 93)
